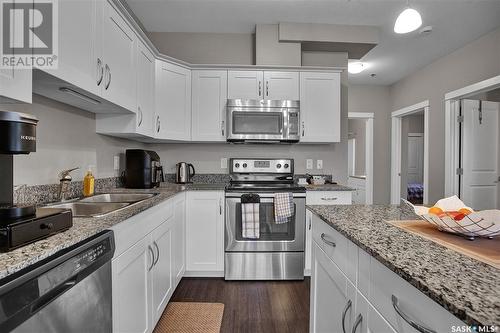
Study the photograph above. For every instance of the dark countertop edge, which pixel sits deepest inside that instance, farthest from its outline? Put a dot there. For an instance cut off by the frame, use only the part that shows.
(459, 313)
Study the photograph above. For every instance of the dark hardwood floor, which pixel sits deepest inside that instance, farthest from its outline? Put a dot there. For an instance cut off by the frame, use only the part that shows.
(252, 306)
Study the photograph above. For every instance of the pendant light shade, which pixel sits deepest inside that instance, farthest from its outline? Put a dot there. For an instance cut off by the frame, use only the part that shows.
(409, 20)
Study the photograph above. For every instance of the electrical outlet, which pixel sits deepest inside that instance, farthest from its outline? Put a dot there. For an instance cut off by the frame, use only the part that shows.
(223, 163)
(309, 164)
(116, 162)
(319, 164)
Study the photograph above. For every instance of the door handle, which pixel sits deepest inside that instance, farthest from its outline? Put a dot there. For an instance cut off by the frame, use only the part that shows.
(411, 322)
(347, 306)
(222, 127)
(329, 199)
(158, 126)
(332, 244)
(358, 321)
(158, 253)
(260, 88)
(267, 88)
(100, 71)
(152, 257)
(310, 223)
(303, 129)
(140, 116)
(108, 70)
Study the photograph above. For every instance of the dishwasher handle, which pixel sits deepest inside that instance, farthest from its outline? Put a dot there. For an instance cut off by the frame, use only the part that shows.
(53, 294)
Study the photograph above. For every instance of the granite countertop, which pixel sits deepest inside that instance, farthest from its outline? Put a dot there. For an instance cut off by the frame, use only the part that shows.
(83, 228)
(467, 288)
(328, 187)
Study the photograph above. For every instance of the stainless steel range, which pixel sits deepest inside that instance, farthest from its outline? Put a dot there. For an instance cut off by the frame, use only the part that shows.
(276, 250)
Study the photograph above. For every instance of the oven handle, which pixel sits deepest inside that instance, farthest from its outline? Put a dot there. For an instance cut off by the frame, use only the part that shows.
(237, 195)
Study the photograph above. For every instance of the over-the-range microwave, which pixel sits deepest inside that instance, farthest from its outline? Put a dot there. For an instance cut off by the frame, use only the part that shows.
(263, 120)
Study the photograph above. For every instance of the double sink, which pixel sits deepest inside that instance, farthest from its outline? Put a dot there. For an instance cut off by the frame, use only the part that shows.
(102, 204)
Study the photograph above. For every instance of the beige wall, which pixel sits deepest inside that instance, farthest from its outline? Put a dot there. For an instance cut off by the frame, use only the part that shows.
(206, 48)
(474, 62)
(66, 138)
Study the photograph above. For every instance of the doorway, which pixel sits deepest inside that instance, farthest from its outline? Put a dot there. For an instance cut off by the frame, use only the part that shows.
(409, 154)
(360, 156)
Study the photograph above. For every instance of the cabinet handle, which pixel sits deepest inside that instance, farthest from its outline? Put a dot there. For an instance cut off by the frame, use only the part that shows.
(100, 71)
(347, 306)
(329, 199)
(332, 244)
(260, 88)
(108, 71)
(158, 125)
(310, 223)
(303, 129)
(140, 116)
(222, 127)
(411, 322)
(152, 257)
(358, 321)
(220, 207)
(267, 88)
(158, 253)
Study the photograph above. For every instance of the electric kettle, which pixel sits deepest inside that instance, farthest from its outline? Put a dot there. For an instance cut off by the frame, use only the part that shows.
(183, 172)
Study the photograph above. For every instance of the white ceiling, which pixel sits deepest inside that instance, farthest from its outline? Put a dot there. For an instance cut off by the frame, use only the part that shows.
(454, 22)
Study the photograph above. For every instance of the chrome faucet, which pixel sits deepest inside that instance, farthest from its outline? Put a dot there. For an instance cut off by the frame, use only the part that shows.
(64, 183)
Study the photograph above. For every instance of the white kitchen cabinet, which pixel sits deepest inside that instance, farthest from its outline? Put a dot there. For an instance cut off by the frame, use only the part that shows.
(209, 96)
(269, 85)
(281, 85)
(161, 272)
(173, 102)
(359, 186)
(118, 53)
(320, 107)
(205, 233)
(131, 289)
(179, 236)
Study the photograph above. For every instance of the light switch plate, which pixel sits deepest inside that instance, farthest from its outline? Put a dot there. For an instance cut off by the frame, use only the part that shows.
(319, 164)
(309, 164)
(223, 163)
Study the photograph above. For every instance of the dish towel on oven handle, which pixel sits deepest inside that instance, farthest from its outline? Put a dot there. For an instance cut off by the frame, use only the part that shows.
(283, 207)
(250, 204)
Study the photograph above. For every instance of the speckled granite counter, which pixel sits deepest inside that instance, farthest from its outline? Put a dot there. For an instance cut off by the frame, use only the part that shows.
(466, 287)
(84, 228)
(328, 187)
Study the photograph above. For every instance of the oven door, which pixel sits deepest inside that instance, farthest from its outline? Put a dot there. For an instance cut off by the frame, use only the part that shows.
(273, 237)
(257, 124)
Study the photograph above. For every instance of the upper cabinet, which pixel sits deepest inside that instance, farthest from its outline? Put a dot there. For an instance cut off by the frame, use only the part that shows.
(320, 107)
(209, 96)
(173, 102)
(15, 84)
(263, 85)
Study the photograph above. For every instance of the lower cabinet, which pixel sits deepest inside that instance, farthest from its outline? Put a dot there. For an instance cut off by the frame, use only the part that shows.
(205, 227)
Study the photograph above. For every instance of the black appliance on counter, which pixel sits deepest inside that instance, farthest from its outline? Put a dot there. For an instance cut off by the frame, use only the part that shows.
(142, 169)
(22, 224)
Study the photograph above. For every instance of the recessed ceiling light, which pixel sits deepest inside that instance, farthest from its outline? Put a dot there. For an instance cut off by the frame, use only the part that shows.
(355, 67)
(409, 20)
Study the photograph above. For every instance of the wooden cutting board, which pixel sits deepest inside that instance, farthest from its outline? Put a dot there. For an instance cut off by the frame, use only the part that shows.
(482, 249)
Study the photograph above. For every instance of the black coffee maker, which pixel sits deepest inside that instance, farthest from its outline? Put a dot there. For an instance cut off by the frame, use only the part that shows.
(22, 224)
(142, 169)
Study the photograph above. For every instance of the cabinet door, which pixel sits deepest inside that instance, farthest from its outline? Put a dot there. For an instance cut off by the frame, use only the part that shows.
(209, 96)
(366, 319)
(79, 60)
(173, 102)
(308, 249)
(118, 53)
(245, 85)
(131, 303)
(179, 236)
(145, 90)
(205, 227)
(328, 294)
(320, 107)
(281, 85)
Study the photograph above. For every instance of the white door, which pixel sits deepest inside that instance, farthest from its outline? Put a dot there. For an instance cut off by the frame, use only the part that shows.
(205, 227)
(415, 170)
(351, 154)
(80, 44)
(118, 53)
(367, 319)
(145, 90)
(131, 294)
(281, 86)
(173, 102)
(161, 273)
(179, 237)
(209, 96)
(328, 295)
(320, 107)
(308, 247)
(479, 158)
(245, 85)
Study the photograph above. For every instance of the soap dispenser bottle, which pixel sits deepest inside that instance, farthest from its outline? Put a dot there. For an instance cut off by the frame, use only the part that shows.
(88, 183)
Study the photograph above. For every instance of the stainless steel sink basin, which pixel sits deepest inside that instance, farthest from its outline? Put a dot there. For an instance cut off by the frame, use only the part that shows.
(91, 209)
(118, 197)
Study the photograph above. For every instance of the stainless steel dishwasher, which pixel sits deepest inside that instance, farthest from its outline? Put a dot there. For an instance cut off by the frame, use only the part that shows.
(67, 292)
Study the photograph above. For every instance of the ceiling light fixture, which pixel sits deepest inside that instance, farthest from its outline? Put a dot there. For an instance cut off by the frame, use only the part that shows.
(409, 20)
(355, 67)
